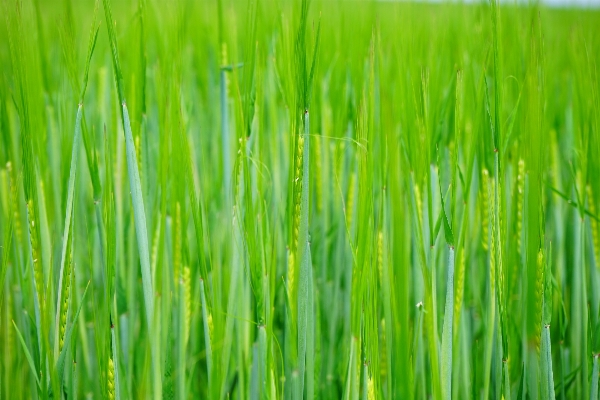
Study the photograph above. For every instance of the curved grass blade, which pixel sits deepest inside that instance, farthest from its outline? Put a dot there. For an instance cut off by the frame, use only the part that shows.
(28, 356)
(60, 362)
(135, 187)
(574, 203)
(206, 332)
(140, 222)
(68, 223)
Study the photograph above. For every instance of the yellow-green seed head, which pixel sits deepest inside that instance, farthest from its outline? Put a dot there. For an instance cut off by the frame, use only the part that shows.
(419, 204)
(539, 295)
(65, 297)
(187, 301)
(520, 192)
(459, 289)
(291, 274)
(210, 325)
(110, 381)
(35, 253)
(138, 154)
(297, 195)
(370, 389)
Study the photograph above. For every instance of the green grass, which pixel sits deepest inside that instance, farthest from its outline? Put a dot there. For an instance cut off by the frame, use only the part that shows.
(299, 200)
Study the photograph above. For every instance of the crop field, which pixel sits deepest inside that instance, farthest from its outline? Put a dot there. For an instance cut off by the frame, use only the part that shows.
(296, 200)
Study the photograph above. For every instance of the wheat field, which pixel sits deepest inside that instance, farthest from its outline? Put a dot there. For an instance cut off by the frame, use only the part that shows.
(300, 199)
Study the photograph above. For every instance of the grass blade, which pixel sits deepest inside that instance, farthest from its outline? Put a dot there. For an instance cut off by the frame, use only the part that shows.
(447, 337)
(28, 355)
(113, 341)
(68, 223)
(207, 332)
(594, 390)
(305, 263)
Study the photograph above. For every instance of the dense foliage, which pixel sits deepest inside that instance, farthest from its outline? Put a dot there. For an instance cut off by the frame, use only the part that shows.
(284, 200)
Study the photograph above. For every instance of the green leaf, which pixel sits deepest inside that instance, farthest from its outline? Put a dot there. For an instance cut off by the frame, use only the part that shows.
(28, 356)
(115, 357)
(5, 255)
(303, 310)
(573, 203)
(207, 339)
(68, 223)
(305, 262)
(448, 234)
(310, 337)
(447, 338)
(596, 339)
(568, 382)
(60, 362)
(262, 354)
(521, 389)
(594, 390)
(139, 215)
(547, 381)
(91, 46)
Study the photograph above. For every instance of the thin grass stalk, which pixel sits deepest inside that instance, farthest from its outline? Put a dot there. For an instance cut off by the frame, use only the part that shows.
(580, 313)
(74, 382)
(310, 339)
(491, 317)
(262, 362)
(387, 306)
(305, 263)
(206, 320)
(365, 382)
(232, 302)
(547, 381)
(28, 356)
(254, 391)
(6, 245)
(114, 359)
(181, 328)
(60, 313)
(447, 337)
(225, 140)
